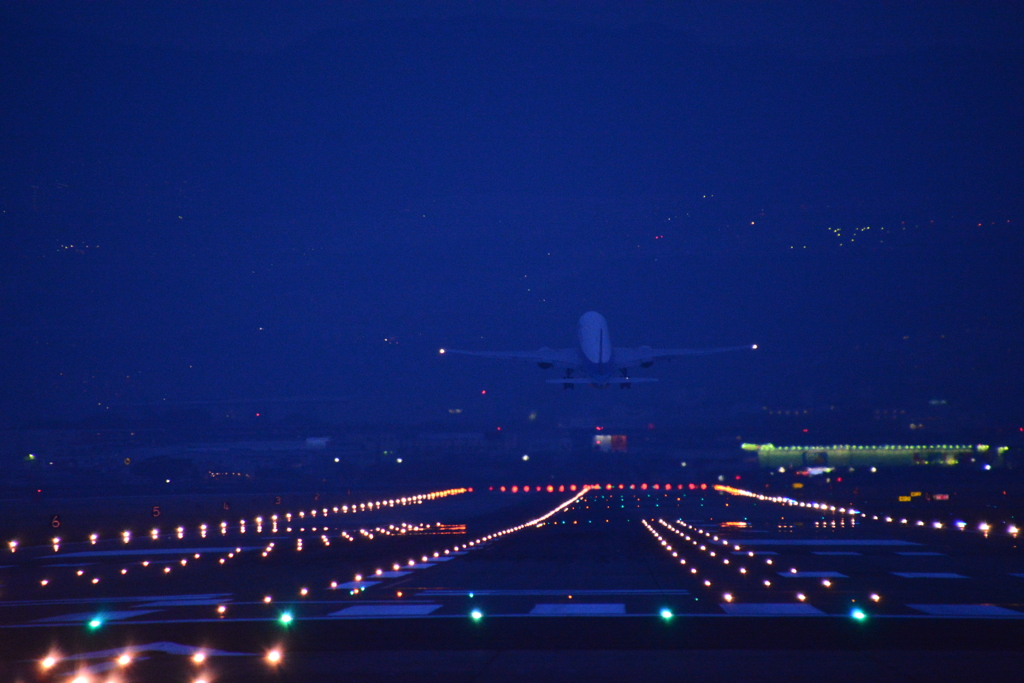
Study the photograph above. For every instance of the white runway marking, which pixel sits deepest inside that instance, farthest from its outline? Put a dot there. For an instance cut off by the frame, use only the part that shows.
(756, 552)
(408, 610)
(966, 610)
(184, 603)
(834, 552)
(930, 575)
(357, 584)
(770, 609)
(163, 646)
(592, 609)
(137, 598)
(921, 554)
(83, 617)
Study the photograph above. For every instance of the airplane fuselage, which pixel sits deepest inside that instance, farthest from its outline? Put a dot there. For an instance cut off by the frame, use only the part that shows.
(596, 348)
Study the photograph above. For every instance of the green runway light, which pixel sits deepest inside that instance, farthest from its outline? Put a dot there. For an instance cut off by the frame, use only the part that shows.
(95, 623)
(666, 614)
(477, 615)
(859, 615)
(286, 618)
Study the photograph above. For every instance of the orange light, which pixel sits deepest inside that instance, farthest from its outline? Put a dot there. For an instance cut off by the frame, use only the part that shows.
(502, 489)
(551, 489)
(572, 487)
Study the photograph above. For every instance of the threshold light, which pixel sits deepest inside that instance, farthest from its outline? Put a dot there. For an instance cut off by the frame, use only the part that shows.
(48, 662)
(665, 613)
(477, 615)
(286, 618)
(95, 623)
(274, 656)
(124, 660)
(858, 614)
(199, 657)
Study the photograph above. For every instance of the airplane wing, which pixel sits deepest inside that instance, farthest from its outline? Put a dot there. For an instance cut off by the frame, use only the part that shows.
(564, 357)
(645, 354)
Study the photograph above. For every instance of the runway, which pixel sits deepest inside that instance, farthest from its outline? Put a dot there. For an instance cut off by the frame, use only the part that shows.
(584, 572)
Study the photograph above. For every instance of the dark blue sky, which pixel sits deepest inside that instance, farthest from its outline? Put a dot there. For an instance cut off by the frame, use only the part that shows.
(308, 200)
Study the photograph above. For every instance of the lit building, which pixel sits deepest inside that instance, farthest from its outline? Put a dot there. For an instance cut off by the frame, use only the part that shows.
(798, 457)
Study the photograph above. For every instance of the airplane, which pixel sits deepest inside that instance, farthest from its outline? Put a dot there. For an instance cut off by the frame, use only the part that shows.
(596, 361)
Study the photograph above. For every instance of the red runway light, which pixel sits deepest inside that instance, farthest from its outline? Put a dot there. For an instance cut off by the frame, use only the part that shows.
(657, 486)
(551, 489)
(703, 486)
(572, 487)
(515, 489)
(693, 486)
(561, 489)
(502, 489)
(526, 489)
(643, 487)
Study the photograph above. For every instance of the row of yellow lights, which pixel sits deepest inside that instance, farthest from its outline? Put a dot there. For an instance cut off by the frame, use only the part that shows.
(561, 488)
(826, 583)
(127, 657)
(411, 563)
(179, 531)
(274, 656)
(710, 542)
(983, 527)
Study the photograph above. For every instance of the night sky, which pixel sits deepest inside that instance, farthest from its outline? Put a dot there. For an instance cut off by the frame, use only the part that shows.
(304, 200)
